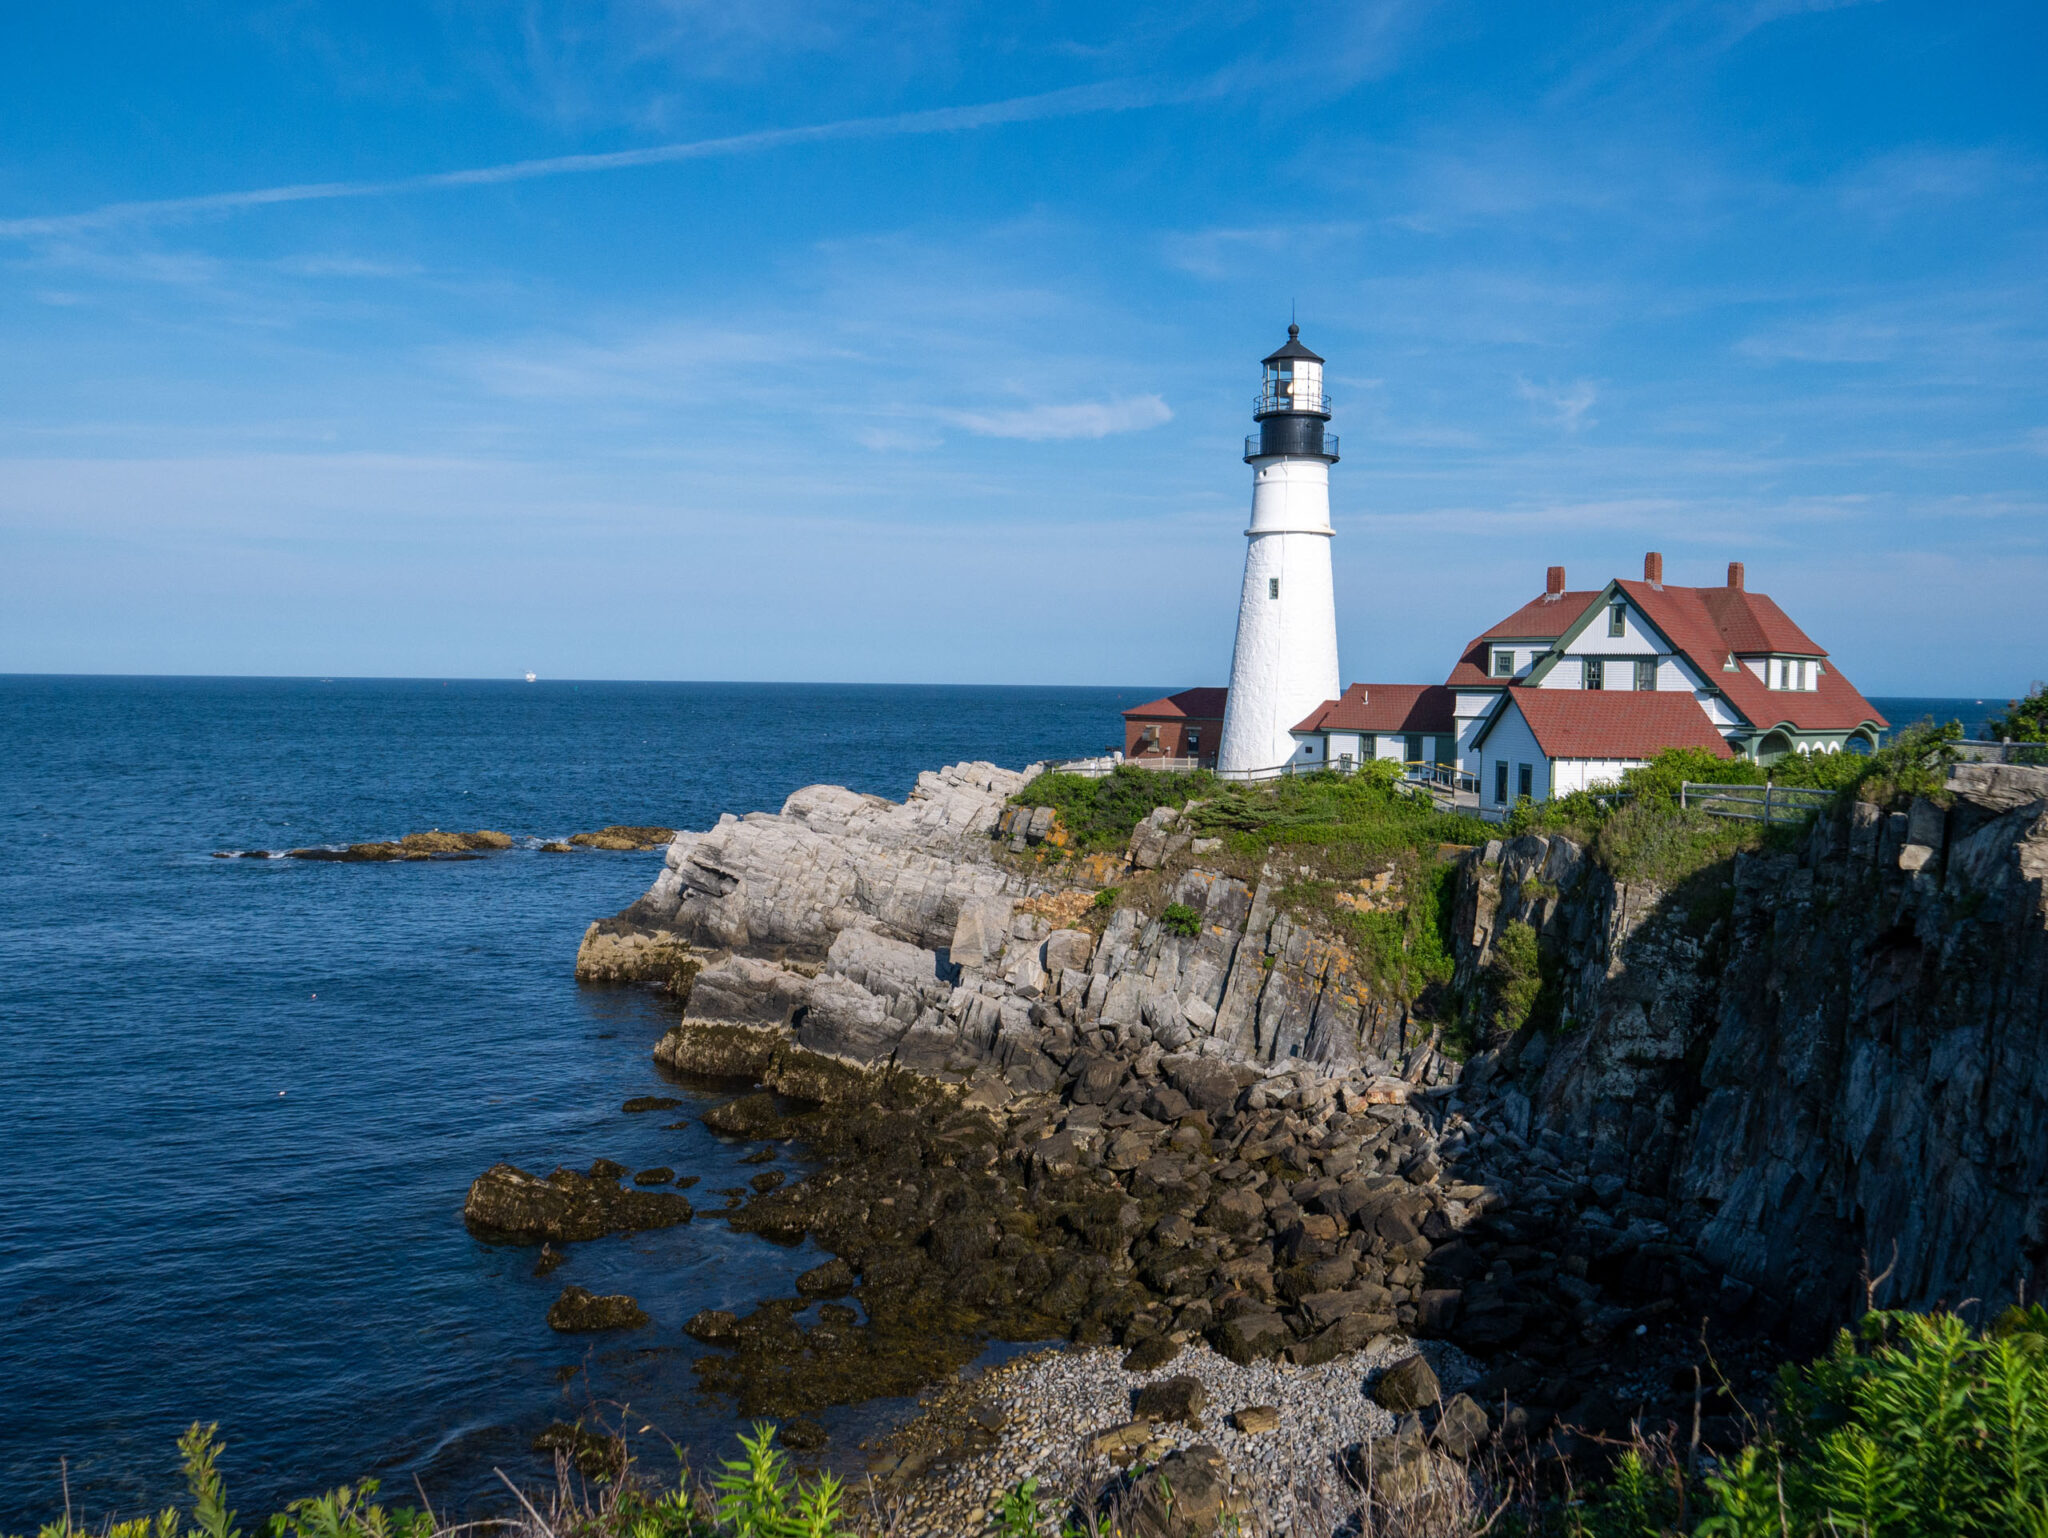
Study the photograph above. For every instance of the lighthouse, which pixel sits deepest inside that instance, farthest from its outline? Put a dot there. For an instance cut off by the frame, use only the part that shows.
(1285, 664)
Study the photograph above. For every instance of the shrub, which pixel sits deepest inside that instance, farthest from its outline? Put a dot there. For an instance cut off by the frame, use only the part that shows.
(2024, 720)
(1106, 898)
(1100, 813)
(1180, 919)
(1517, 975)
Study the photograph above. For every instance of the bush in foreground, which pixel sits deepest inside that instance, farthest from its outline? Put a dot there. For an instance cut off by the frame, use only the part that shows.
(756, 1495)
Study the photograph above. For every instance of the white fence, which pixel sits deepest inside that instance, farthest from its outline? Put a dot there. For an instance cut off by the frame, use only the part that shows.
(1754, 803)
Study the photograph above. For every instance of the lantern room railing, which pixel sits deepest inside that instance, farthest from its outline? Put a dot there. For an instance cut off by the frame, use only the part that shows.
(1298, 398)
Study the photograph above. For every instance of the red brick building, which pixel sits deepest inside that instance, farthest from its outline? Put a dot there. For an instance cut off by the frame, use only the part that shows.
(1184, 725)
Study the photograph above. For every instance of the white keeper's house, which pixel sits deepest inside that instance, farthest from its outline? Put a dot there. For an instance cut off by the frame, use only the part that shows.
(1567, 692)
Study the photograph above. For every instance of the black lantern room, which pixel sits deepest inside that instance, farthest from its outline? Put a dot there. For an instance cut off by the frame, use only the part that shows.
(1291, 406)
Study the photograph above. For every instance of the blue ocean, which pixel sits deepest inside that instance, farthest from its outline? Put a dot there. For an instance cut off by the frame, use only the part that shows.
(244, 1098)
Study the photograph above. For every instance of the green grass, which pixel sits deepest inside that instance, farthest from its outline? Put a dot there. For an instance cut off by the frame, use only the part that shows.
(756, 1495)
(1351, 824)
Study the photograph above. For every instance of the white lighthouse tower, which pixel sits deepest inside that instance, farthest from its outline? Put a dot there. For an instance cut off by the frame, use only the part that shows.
(1286, 659)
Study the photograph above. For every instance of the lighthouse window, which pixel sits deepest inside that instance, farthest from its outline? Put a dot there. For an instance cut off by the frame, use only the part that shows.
(1272, 587)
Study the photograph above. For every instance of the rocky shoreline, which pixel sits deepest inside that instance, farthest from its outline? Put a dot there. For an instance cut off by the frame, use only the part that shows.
(1204, 1147)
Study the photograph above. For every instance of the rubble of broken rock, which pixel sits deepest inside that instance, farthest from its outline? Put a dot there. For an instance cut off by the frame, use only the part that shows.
(1178, 1208)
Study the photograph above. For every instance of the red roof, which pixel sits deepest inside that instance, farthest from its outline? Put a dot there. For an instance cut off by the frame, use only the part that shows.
(1385, 708)
(1705, 624)
(1611, 723)
(1541, 619)
(1188, 705)
(1708, 623)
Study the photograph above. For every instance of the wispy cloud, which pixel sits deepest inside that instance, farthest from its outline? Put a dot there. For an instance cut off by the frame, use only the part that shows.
(1073, 101)
(1561, 405)
(1083, 419)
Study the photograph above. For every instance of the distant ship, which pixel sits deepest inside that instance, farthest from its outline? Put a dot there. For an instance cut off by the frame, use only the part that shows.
(529, 678)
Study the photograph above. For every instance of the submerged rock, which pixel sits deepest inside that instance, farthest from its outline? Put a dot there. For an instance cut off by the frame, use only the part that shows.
(578, 1310)
(593, 1453)
(618, 837)
(505, 1202)
(414, 846)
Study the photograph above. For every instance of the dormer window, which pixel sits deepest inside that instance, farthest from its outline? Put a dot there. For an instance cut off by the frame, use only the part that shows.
(1617, 620)
(1503, 662)
(1731, 665)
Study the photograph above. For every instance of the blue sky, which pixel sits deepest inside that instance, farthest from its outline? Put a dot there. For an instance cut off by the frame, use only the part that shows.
(891, 342)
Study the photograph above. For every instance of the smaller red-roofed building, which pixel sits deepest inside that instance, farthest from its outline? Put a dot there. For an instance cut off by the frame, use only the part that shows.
(1541, 743)
(1409, 723)
(1187, 725)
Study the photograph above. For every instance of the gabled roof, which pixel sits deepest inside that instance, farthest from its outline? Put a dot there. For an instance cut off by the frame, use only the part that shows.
(1188, 705)
(1542, 619)
(1609, 723)
(1705, 625)
(1709, 623)
(1385, 708)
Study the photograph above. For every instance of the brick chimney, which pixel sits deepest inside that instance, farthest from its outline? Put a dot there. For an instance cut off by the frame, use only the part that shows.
(1653, 569)
(1735, 575)
(1553, 581)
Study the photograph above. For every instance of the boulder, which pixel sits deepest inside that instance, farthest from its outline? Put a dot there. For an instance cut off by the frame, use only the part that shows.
(1256, 1420)
(1187, 1494)
(713, 1326)
(1251, 1337)
(505, 1202)
(1179, 1398)
(1407, 1385)
(578, 1310)
(1464, 1426)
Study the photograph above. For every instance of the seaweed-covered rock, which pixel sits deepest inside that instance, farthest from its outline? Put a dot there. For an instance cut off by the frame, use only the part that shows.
(578, 1310)
(617, 837)
(505, 1202)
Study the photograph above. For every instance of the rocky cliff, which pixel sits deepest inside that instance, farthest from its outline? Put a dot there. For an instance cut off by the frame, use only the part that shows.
(1823, 1064)
(907, 935)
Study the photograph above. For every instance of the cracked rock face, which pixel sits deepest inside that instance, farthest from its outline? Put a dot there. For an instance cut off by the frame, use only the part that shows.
(1842, 1053)
(879, 934)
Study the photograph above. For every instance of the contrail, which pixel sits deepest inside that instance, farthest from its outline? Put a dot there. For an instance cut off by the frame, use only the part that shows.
(1074, 101)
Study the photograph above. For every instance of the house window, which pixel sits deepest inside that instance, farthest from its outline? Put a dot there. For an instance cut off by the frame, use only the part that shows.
(1500, 784)
(1777, 672)
(1369, 746)
(1731, 665)
(1525, 781)
(1504, 662)
(1596, 673)
(1272, 587)
(1194, 740)
(1646, 674)
(1617, 620)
